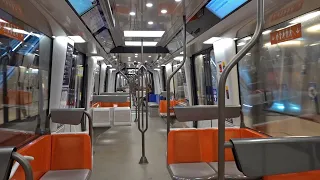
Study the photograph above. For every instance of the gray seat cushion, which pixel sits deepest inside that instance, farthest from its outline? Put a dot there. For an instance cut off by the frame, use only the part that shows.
(191, 171)
(153, 104)
(79, 174)
(231, 171)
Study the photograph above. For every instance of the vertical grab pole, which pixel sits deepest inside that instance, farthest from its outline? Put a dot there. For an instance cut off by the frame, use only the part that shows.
(222, 83)
(143, 159)
(142, 98)
(184, 36)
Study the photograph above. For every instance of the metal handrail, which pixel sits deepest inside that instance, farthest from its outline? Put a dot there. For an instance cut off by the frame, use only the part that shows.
(48, 129)
(222, 83)
(178, 68)
(24, 164)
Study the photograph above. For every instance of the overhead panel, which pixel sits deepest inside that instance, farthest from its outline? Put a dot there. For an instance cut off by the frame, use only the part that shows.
(91, 14)
(223, 8)
(93, 19)
(105, 40)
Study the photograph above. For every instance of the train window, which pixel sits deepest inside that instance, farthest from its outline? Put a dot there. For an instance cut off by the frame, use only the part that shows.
(25, 57)
(279, 80)
(96, 79)
(180, 84)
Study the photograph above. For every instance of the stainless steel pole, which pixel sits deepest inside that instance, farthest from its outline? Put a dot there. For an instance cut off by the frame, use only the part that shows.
(222, 83)
(174, 72)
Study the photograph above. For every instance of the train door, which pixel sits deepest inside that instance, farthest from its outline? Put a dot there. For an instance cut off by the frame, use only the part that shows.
(205, 80)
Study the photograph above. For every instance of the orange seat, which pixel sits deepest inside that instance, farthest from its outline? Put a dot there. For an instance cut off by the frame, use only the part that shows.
(201, 145)
(40, 149)
(57, 152)
(125, 104)
(71, 151)
(183, 147)
(163, 106)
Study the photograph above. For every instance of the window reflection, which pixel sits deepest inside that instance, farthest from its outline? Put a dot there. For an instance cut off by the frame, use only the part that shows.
(25, 56)
(180, 84)
(279, 83)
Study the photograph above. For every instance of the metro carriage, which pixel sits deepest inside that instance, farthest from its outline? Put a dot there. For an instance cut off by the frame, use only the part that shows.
(159, 89)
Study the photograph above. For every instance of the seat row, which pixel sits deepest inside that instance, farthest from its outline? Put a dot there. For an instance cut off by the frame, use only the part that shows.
(59, 156)
(193, 154)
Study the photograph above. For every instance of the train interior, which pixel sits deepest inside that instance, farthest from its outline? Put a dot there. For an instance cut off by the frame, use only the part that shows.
(159, 89)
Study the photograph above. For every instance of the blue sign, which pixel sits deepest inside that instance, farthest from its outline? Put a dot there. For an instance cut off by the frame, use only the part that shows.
(222, 8)
(82, 6)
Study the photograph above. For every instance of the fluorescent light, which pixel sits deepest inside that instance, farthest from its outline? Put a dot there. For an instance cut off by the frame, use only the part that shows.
(163, 65)
(164, 11)
(77, 39)
(314, 28)
(109, 65)
(150, 22)
(143, 33)
(266, 32)
(178, 58)
(235, 39)
(53, 37)
(114, 56)
(149, 4)
(98, 58)
(136, 54)
(132, 13)
(145, 61)
(305, 17)
(181, 52)
(113, 69)
(138, 43)
(156, 69)
(211, 40)
(149, 56)
(241, 44)
(177, 0)
(247, 38)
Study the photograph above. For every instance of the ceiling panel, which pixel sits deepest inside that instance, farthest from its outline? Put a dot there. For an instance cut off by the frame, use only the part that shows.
(161, 22)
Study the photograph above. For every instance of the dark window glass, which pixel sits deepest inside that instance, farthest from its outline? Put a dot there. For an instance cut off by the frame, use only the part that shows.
(279, 82)
(25, 56)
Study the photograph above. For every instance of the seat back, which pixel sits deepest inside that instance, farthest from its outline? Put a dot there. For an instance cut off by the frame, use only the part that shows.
(183, 146)
(71, 151)
(201, 145)
(272, 156)
(163, 106)
(40, 149)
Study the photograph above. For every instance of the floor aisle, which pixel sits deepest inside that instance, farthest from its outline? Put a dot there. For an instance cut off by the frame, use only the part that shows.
(117, 152)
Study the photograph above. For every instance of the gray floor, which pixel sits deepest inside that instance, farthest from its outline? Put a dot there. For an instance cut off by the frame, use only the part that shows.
(117, 152)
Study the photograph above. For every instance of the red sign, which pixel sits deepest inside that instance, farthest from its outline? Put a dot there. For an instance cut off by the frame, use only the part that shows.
(12, 31)
(286, 34)
(287, 10)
